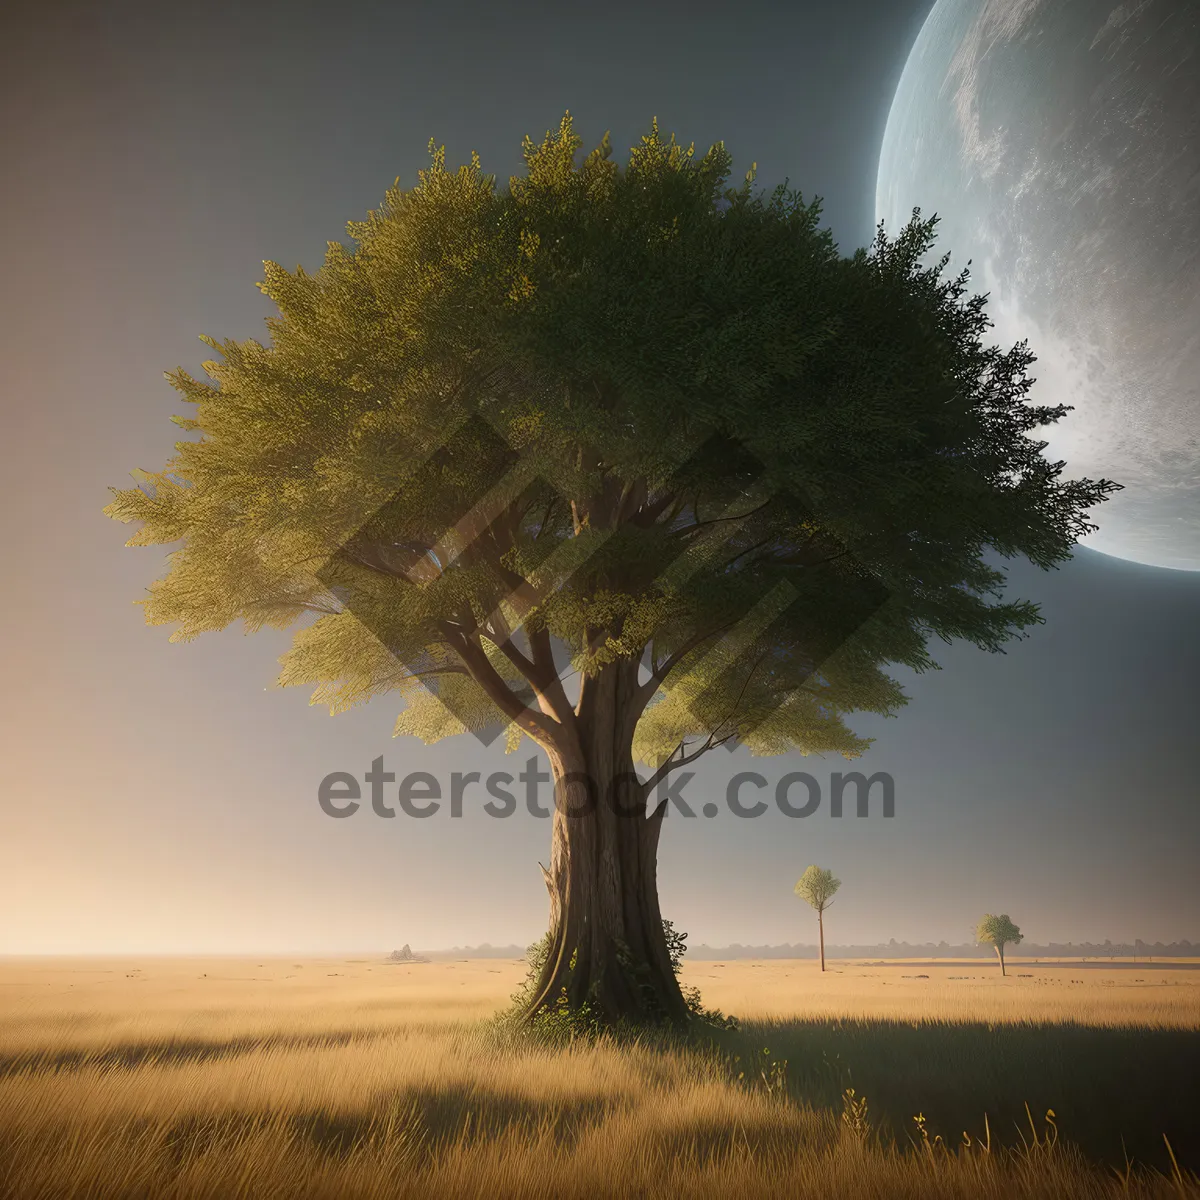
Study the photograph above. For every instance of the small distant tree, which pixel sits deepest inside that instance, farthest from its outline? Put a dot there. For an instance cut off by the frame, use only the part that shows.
(817, 887)
(997, 932)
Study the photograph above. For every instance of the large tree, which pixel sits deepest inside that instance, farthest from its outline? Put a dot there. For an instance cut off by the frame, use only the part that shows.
(622, 461)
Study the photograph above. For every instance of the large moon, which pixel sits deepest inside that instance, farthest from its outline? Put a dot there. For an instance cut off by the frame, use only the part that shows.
(1058, 141)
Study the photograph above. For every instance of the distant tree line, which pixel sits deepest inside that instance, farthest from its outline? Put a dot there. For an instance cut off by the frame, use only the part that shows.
(894, 949)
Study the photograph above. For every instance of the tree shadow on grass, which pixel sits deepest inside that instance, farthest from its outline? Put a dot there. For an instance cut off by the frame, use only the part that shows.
(416, 1125)
(419, 1121)
(170, 1050)
(1109, 1088)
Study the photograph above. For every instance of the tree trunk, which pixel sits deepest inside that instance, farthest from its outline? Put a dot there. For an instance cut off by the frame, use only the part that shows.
(607, 945)
(821, 934)
(1000, 956)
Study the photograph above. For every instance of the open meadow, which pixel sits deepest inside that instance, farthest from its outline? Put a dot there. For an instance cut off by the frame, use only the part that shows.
(354, 1076)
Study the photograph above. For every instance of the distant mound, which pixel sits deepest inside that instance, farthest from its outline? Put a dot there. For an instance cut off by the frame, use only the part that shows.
(405, 955)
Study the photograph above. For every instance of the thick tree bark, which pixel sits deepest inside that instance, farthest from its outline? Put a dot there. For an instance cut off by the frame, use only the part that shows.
(821, 934)
(1000, 956)
(607, 945)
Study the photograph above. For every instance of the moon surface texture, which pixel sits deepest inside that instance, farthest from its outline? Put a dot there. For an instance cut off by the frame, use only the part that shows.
(1058, 141)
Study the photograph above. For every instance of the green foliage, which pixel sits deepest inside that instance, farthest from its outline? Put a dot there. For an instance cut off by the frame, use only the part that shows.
(560, 1022)
(676, 945)
(535, 959)
(997, 931)
(817, 887)
(856, 1119)
(763, 1071)
(712, 411)
(712, 1018)
(563, 1020)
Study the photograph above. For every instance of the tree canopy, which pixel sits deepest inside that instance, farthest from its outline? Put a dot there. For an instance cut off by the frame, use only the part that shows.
(817, 887)
(682, 405)
(997, 931)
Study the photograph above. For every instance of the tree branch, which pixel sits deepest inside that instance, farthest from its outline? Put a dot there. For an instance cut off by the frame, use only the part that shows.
(647, 514)
(317, 608)
(674, 763)
(544, 729)
(698, 524)
(659, 672)
(435, 673)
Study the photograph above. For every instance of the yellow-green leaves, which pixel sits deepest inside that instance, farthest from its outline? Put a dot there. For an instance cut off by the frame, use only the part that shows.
(817, 887)
(486, 415)
(997, 931)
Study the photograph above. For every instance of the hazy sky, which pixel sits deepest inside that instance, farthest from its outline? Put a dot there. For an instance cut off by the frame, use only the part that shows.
(163, 797)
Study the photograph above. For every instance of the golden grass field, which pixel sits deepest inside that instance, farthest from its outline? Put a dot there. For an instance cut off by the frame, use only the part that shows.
(355, 1077)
